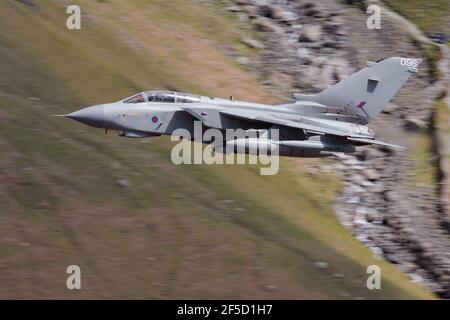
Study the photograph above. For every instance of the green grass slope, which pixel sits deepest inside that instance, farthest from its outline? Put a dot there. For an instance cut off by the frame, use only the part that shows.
(430, 16)
(175, 231)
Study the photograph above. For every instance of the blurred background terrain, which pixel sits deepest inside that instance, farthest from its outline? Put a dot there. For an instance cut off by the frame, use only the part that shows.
(140, 227)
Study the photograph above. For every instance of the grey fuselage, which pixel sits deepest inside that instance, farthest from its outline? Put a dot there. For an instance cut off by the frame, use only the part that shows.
(139, 117)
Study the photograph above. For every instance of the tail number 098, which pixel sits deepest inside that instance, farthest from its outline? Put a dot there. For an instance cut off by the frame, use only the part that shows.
(410, 63)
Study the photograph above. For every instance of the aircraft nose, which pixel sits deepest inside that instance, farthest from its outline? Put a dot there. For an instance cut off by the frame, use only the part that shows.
(93, 116)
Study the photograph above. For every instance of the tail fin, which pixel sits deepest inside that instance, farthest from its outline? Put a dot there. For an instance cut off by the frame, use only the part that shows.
(366, 92)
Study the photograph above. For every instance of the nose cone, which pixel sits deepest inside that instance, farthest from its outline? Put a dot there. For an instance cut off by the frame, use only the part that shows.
(93, 116)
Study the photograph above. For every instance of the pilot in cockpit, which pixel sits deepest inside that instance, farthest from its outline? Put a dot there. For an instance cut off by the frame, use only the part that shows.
(164, 97)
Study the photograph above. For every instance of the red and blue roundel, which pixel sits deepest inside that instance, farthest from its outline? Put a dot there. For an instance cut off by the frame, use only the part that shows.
(154, 119)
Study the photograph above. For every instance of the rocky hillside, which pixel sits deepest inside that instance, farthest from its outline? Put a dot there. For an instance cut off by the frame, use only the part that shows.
(391, 201)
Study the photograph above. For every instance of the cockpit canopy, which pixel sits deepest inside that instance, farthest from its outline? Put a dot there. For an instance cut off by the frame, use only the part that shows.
(163, 96)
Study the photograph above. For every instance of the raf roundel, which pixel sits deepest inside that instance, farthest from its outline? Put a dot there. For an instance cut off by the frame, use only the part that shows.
(154, 119)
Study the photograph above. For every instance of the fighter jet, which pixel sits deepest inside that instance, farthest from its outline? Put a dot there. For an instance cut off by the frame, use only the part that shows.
(328, 123)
